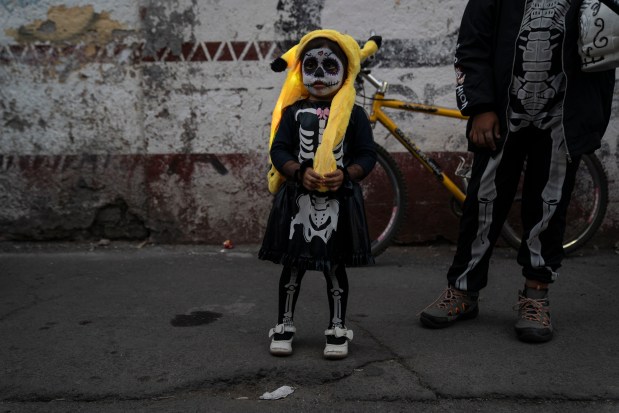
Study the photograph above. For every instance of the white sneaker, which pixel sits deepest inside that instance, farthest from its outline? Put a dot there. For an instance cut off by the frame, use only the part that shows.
(337, 351)
(281, 347)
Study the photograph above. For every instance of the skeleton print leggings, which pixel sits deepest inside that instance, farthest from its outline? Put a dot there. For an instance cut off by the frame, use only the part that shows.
(549, 180)
(337, 293)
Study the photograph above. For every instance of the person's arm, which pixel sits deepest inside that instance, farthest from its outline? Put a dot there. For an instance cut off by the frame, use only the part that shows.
(485, 130)
(474, 71)
(473, 58)
(283, 148)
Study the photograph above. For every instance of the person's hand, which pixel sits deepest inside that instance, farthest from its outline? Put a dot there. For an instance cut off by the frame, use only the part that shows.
(485, 130)
(333, 180)
(311, 179)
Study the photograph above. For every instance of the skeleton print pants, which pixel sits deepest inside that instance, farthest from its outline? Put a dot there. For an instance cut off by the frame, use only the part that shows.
(548, 183)
(337, 293)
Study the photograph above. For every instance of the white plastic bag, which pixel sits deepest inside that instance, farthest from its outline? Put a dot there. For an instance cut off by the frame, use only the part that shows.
(278, 394)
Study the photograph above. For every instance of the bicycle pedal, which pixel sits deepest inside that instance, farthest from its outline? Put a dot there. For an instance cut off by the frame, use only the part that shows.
(463, 170)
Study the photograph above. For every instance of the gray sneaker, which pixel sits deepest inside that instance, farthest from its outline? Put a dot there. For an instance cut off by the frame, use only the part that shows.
(451, 306)
(533, 324)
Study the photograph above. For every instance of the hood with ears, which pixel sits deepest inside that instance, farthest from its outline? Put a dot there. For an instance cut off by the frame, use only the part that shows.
(341, 106)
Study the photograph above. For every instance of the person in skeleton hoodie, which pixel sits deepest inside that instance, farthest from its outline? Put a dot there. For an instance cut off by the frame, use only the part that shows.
(321, 146)
(519, 81)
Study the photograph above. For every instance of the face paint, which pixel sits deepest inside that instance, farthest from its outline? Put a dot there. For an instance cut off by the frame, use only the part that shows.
(323, 72)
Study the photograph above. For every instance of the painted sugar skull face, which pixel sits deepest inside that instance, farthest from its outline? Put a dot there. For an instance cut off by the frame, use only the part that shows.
(323, 72)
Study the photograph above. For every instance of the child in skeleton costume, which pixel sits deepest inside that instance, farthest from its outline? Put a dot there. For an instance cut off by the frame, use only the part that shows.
(519, 80)
(321, 146)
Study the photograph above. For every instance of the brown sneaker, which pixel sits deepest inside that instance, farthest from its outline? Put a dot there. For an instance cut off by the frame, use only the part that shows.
(451, 306)
(533, 324)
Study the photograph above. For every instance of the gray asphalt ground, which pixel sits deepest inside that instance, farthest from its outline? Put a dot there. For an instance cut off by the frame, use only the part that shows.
(127, 327)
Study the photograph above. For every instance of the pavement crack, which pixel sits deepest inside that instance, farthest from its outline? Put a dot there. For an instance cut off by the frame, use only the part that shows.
(33, 304)
(400, 360)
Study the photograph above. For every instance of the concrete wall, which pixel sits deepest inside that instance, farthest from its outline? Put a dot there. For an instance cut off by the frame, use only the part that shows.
(151, 118)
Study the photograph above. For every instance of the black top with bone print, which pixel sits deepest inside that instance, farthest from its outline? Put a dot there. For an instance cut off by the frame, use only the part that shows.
(497, 39)
(300, 132)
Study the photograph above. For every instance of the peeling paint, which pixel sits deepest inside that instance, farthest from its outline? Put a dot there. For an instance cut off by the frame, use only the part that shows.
(165, 25)
(116, 221)
(297, 17)
(70, 25)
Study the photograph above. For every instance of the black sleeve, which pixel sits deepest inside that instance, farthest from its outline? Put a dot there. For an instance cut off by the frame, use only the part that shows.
(285, 143)
(361, 150)
(473, 58)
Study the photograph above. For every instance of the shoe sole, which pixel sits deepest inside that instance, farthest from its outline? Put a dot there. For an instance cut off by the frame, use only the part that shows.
(431, 322)
(533, 335)
(335, 356)
(280, 353)
(335, 351)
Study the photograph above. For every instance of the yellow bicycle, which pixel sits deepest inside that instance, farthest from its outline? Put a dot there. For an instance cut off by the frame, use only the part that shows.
(386, 194)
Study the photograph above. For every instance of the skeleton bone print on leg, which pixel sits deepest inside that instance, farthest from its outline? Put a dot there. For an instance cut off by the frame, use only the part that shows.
(336, 296)
(318, 213)
(538, 83)
(291, 289)
(537, 95)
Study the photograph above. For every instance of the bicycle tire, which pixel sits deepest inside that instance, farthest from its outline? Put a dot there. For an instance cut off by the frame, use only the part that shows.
(585, 213)
(386, 198)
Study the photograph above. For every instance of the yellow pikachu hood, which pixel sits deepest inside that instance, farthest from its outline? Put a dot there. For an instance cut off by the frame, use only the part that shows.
(341, 106)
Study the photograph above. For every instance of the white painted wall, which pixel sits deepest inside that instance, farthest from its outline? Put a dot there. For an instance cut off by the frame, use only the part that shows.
(116, 106)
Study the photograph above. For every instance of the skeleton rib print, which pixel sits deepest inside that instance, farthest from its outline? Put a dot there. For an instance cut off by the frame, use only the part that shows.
(318, 213)
(312, 126)
(538, 79)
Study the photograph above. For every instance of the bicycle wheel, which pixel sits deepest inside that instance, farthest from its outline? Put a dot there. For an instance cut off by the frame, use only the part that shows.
(385, 199)
(584, 214)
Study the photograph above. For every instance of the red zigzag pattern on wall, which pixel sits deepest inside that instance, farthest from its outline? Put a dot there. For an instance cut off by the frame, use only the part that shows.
(222, 51)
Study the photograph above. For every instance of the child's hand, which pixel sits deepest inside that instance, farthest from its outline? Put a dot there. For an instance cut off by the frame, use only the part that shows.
(333, 180)
(311, 179)
(485, 130)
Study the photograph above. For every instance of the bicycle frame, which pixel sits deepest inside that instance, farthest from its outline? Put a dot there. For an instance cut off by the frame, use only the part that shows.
(378, 115)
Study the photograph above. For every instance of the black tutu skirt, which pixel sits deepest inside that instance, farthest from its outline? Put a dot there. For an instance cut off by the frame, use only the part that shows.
(304, 236)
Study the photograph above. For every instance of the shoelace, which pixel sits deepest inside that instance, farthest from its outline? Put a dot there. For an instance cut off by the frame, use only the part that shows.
(533, 309)
(449, 297)
(446, 299)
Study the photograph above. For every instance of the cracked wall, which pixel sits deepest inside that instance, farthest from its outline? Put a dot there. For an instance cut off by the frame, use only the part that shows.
(153, 116)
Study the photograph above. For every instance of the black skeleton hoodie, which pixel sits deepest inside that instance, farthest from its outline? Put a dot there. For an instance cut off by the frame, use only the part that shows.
(519, 58)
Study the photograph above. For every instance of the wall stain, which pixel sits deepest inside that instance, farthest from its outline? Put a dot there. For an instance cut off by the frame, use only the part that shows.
(11, 5)
(17, 123)
(189, 134)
